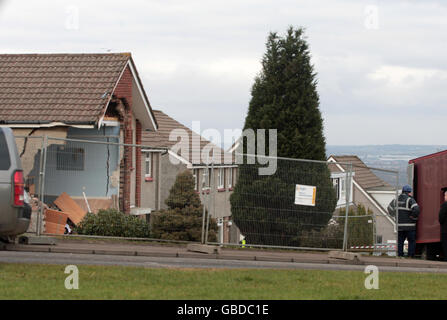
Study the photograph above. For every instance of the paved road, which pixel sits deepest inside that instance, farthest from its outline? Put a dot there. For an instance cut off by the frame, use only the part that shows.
(170, 262)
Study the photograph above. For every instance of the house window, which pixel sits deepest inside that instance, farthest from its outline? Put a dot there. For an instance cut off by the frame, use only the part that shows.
(211, 179)
(221, 178)
(336, 183)
(148, 165)
(70, 158)
(230, 178)
(343, 189)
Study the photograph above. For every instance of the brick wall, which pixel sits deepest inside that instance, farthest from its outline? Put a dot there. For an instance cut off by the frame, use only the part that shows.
(124, 87)
(124, 91)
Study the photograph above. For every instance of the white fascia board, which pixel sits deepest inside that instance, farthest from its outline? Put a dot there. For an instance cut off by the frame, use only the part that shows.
(339, 167)
(381, 210)
(231, 150)
(153, 150)
(188, 164)
(140, 90)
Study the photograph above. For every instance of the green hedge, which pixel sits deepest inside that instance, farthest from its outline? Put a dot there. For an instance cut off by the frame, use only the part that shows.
(113, 223)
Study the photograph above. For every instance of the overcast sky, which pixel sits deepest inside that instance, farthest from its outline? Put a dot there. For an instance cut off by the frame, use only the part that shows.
(382, 65)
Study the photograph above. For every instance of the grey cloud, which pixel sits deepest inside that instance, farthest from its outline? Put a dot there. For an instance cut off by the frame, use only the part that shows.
(198, 59)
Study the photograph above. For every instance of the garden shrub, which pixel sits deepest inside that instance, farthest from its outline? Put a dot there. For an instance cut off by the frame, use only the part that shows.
(183, 219)
(113, 223)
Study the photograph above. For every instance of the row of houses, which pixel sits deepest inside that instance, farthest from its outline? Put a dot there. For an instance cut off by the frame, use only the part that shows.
(75, 99)
(100, 97)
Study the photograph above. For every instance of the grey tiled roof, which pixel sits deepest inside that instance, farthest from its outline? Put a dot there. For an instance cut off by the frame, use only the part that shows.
(69, 88)
(166, 125)
(364, 176)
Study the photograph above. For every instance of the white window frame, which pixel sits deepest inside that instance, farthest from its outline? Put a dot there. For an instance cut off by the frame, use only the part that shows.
(230, 177)
(336, 184)
(221, 178)
(340, 177)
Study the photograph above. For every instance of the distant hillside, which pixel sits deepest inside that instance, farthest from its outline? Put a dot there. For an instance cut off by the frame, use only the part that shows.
(391, 157)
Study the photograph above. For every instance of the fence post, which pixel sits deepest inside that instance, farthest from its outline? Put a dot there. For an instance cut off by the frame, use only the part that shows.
(203, 204)
(210, 201)
(43, 161)
(348, 196)
(374, 229)
(396, 210)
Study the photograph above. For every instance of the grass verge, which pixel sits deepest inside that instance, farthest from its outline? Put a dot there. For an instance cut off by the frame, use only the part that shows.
(32, 281)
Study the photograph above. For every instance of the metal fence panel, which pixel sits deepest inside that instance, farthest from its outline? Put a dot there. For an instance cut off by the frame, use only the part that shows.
(268, 212)
(88, 176)
(30, 152)
(385, 187)
(290, 208)
(302, 204)
(93, 175)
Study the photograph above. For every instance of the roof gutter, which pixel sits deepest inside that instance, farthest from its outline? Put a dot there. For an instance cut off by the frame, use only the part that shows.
(42, 124)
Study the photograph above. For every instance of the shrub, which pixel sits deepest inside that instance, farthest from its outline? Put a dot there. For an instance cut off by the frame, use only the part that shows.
(360, 230)
(183, 219)
(113, 223)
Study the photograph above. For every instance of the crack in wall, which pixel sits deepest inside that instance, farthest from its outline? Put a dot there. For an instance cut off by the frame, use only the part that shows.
(25, 142)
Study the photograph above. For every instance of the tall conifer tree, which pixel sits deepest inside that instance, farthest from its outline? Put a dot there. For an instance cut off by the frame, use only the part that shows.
(285, 97)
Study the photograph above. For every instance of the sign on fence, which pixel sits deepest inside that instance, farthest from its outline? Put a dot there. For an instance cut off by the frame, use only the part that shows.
(305, 195)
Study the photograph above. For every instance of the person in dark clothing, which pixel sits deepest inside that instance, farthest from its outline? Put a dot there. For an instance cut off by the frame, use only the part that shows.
(408, 213)
(443, 223)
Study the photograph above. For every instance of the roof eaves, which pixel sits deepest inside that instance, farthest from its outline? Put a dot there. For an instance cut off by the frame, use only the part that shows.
(137, 77)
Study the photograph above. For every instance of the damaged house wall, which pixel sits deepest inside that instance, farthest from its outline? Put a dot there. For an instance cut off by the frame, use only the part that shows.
(78, 167)
(29, 142)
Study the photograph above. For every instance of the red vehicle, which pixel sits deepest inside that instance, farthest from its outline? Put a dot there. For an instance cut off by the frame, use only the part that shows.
(428, 176)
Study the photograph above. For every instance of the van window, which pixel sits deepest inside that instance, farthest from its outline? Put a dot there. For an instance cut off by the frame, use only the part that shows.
(5, 161)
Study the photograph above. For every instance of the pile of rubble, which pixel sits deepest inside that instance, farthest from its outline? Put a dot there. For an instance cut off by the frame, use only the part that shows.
(64, 213)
